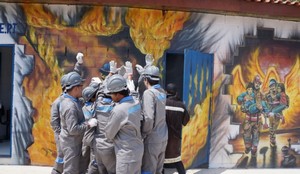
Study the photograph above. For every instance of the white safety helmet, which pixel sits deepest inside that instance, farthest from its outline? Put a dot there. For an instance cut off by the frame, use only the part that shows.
(115, 83)
(152, 72)
(73, 79)
(88, 92)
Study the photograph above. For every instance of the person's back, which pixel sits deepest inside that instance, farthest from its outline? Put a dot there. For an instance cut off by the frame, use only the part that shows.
(154, 126)
(123, 127)
(176, 117)
(104, 148)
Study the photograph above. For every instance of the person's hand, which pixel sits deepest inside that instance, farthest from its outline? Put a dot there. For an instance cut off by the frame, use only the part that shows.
(113, 66)
(149, 60)
(128, 67)
(96, 80)
(139, 69)
(79, 57)
(92, 122)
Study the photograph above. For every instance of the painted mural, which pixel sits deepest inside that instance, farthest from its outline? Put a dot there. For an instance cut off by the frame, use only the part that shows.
(246, 50)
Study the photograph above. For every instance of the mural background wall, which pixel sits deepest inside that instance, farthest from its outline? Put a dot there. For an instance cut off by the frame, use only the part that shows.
(47, 38)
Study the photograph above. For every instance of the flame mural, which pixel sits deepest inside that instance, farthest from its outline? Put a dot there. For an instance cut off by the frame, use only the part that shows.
(152, 30)
(98, 21)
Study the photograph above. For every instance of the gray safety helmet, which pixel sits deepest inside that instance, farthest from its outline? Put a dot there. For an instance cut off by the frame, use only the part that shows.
(88, 92)
(73, 79)
(63, 81)
(115, 83)
(152, 72)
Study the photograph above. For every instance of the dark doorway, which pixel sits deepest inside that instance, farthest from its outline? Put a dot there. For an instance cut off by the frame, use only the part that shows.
(6, 88)
(174, 71)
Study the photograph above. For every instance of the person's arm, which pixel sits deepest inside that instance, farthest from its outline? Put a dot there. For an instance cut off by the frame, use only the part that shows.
(74, 126)
(114, 124)
(186, 116)
(148, 112)
(78, 66)
(55, 117)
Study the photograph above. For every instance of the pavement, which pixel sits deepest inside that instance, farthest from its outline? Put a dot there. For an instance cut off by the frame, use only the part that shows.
(30, 169)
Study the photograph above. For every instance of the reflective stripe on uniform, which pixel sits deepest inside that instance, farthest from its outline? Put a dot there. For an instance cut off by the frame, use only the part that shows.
(173, 108)
(172, 160)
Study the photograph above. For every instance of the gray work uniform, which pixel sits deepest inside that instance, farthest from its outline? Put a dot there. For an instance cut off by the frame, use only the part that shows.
(73, 127)
(88, 157)
(55, 125)
(104, 148)
(123, 128)
(154, 129)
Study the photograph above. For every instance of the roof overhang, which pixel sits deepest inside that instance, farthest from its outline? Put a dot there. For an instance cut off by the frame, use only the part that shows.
(274, 9)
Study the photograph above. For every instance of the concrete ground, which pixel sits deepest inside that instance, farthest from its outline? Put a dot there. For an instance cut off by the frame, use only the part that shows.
(18, 169)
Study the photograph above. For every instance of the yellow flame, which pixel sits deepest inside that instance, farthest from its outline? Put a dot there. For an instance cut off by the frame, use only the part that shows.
(43, 151)
(101, 22)
(292, 83)
(194, 134)
(237, 87)
(152, 30)
(38, 16)
(252, 67)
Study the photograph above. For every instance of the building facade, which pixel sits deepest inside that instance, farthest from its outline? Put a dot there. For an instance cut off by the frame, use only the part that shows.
(212, 56)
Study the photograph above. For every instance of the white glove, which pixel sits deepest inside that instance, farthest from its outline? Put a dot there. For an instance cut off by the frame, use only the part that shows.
(79, 58)
(96, 80)
(92, 122)
(149, 59)
(128, 67)
(113, 66)
(139, 69)
(271, 114)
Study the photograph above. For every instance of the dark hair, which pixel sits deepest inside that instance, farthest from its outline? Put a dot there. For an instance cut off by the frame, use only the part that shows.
(281, 86)
(171, 89)
(151, 82)
(124, 92)
(250, 85)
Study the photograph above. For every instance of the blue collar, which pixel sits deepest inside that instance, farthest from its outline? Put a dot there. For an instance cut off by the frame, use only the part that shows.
(125, 99)
(156, 86)
(66, 95)
(88, 103)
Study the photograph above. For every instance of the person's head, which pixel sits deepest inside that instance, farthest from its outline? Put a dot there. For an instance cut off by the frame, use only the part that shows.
(104, 70)
(250, 88)
(171, 89)
(89, 93)
(116, 87)
(273, 85)
(151, 76)
(280, 87)
(74, 84)
(257, 82)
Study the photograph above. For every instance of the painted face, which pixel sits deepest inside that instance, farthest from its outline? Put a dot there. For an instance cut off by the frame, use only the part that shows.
(279, 89)
(256, 85)
(250, 90)
(273, 88)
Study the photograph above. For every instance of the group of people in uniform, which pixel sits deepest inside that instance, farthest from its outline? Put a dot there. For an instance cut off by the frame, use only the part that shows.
(111, 126)
(262, 111)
